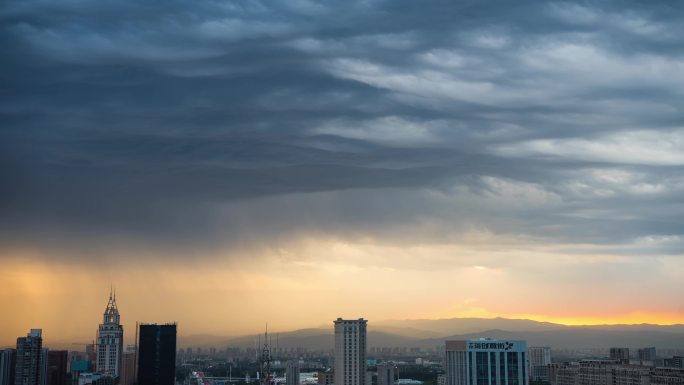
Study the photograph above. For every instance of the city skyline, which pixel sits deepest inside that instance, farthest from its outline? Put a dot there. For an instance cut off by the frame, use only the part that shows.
(223, 161)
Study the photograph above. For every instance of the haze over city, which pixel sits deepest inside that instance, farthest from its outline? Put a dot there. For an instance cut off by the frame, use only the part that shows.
(227, 164)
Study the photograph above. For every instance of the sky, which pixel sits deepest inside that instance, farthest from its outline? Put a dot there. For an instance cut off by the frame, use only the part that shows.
(228, 163)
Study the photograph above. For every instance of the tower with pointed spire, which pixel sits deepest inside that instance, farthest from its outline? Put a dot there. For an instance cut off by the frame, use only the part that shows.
(110, 340)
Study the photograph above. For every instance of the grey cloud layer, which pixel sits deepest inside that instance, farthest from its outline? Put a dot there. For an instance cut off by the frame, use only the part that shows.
(211, 122)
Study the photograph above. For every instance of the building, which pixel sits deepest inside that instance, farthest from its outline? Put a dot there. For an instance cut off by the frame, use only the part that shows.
(292, 373)
(667, 376)
(110, 340)
(28, 361)
(8, 363)
(57, 367)
(127, 376)
(157, 354)
(647, 354)
(596, 372)
(486, 362)
(77, 367)
(350, 351)
(620, 354)
(539, 359)
(388, 373)
(677, 362)
(631, 375)
(564, 374)
(43, 376)
(326, 378)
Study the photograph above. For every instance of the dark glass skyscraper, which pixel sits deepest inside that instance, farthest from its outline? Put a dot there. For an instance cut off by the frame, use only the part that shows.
(8, 363)
(157, 354)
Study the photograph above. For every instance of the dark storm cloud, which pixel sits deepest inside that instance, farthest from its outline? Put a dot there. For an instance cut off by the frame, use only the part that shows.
(206, 122)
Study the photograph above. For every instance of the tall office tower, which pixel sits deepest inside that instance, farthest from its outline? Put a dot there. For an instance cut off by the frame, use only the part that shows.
(647, 354)
(388, 374)
(292, 373)
(29, 351)
(157, 354)
(350, 352)
(110, 340)
(57, 367)
(127, 376)
(8, 363)
(540, 359)
(620, 354)
(486, 362)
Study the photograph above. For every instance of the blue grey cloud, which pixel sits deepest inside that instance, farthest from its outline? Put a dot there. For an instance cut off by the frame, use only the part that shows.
(212, 122)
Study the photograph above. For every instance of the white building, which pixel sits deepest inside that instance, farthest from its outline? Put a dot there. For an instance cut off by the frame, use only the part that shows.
(350, 352)
(486, 362)
(540, 359)
(110, 341)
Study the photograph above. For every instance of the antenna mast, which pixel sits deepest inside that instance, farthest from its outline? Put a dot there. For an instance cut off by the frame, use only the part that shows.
(266, 359)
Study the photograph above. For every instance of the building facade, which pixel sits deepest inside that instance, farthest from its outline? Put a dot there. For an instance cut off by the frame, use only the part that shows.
(540, 359)
(350, 351)
(157, 354)
(28, 361)
(57, 367)
(486, 362)
(110, 341)
(620, 354)
(647, 354)
(127, 376)
(667, 376)
(8, 363)
(388, 373)
(292, 373)
(596, 372)
(326, 378)
(564, 374)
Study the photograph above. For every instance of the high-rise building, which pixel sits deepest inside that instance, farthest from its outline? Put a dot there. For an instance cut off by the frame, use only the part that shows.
(57, 367)
(127, 376)
(388, 374)
(8, 363)
(350, 352)
(620, 354)
(486, 362)
(677, 362)
(540, 359)
(110, 340)
(647, 354)
(292, 373)
(157, 354)
(28, 363)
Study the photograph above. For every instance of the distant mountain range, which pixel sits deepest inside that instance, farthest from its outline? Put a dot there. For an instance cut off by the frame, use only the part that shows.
(430, 333)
